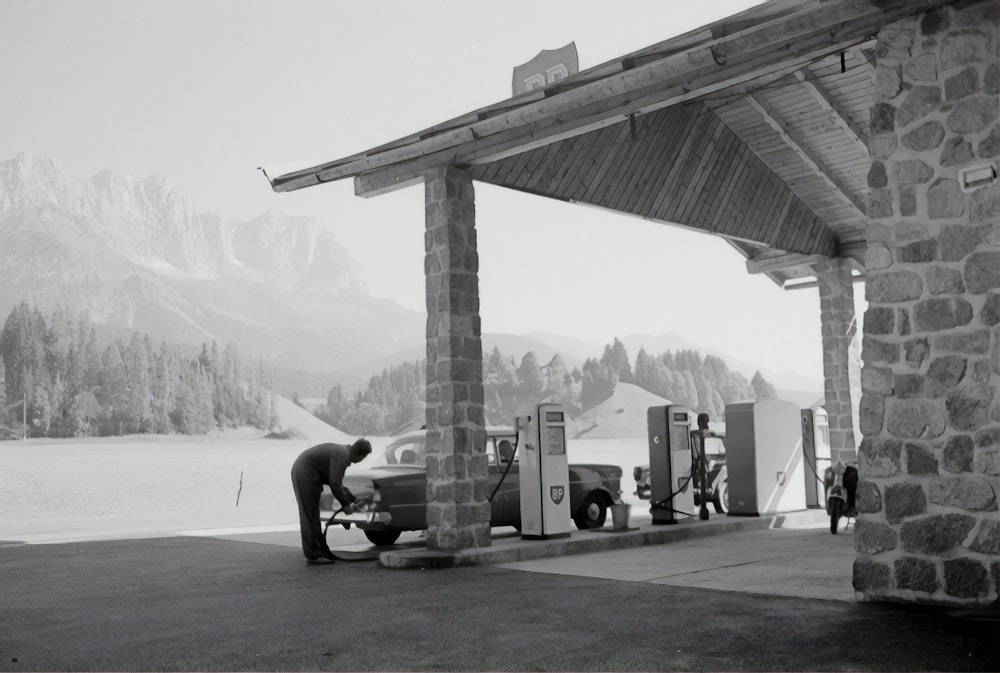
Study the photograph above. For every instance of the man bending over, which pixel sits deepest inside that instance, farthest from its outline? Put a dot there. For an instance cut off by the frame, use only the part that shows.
(316, 466)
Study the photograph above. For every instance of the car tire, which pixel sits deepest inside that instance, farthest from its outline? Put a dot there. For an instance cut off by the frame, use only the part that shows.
(721, 502)
(382, 538)
(592, 513)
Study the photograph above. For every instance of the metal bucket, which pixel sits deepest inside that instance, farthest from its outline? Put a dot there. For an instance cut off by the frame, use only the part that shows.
(620, 513)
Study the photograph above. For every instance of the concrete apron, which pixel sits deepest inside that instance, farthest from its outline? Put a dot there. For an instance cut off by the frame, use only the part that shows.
(790, 557)
(791, 554)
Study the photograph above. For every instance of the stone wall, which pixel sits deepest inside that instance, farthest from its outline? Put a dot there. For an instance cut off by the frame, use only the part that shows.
(836, 305)
(458, 510)
(928, 525)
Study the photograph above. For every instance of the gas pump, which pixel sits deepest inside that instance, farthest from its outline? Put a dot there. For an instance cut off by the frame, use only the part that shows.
(816, 447)
(670, 479)
(544, 471)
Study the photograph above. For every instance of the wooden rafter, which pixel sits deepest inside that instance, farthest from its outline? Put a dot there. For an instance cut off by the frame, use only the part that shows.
(825, 101)
(486, 144)
(864, 54)
(773, 263)
(797, 143)
(550, 130)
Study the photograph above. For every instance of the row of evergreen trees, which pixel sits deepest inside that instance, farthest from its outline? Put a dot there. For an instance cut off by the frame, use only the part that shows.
(66, 385)
(394, 399)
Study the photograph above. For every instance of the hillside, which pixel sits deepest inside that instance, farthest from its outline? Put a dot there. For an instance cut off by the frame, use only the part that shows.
(621, 416)
(293, 417)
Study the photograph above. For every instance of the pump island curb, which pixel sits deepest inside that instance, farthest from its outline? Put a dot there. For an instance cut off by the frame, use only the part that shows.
(516, 548)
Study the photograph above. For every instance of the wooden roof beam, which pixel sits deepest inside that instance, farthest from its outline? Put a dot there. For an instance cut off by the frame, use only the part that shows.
(841, 23)
(747, 75)
(826, 102)
(782, 262)
(864, 54)
(795, 141)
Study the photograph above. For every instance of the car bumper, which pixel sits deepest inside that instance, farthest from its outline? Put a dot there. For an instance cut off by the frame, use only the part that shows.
(364, 521)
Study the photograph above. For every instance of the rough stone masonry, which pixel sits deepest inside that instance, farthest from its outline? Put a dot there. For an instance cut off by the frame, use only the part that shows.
(458, 509)
(928, 528)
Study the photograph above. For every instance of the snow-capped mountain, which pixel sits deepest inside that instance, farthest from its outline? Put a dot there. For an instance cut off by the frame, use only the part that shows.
(133, 255)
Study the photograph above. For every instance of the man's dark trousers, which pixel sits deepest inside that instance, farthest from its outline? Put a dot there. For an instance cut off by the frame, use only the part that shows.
(308, 488)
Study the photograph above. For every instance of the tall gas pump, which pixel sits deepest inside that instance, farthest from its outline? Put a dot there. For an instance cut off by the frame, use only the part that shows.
(544, 471)
(816, 447)
(670, 480)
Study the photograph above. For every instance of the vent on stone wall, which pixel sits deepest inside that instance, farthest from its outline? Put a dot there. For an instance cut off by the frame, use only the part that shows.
(974, 177)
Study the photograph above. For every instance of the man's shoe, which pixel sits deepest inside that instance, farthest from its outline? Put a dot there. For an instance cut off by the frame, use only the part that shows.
(321, 561)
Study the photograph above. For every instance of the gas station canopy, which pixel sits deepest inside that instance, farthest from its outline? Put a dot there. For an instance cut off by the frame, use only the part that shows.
(754, 128)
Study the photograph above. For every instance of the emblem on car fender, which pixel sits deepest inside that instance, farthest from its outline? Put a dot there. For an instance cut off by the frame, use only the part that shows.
(557, 493)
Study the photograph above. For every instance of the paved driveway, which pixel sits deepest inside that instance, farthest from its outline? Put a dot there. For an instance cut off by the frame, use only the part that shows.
(202, 603)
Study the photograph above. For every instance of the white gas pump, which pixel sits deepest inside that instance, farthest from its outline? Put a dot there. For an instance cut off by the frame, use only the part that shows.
(544, 471)
(816, 447)
(670, 479)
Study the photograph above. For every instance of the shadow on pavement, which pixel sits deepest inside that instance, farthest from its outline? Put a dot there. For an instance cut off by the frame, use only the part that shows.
(191, 603)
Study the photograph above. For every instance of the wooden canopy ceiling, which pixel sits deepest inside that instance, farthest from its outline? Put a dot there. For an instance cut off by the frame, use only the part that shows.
(753, 128)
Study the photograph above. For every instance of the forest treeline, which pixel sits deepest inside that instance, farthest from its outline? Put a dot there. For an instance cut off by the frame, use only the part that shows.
(393, 399)
(58, 377)
(65, 385)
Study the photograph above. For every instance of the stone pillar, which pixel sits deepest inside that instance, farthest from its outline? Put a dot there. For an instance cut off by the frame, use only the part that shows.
(836, 303)
(458, 512)
(928, 526)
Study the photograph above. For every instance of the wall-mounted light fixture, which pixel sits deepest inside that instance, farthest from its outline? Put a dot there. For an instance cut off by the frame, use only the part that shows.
(974, 177)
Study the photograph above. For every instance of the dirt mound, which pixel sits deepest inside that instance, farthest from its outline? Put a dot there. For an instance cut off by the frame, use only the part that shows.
(622, 415)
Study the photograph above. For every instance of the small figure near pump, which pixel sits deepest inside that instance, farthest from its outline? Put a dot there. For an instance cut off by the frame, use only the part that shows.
(841, 482)
(702, 465)
(316, 466)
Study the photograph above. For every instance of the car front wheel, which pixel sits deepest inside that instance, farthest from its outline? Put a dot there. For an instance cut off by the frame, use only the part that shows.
(592, 513)
(382, 538)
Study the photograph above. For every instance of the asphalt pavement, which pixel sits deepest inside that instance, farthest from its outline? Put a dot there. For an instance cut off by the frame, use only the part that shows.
(775, 597)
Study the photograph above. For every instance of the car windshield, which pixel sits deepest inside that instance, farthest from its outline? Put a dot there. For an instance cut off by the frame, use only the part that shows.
(412, 450)
(404, 451)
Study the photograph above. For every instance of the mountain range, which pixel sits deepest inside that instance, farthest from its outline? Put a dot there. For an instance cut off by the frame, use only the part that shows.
(135, 257)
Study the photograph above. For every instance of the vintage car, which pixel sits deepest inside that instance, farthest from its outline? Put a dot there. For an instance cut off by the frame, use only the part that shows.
(392, 493)
(715, 452)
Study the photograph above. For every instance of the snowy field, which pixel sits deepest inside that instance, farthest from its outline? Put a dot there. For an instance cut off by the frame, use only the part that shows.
(143, 486)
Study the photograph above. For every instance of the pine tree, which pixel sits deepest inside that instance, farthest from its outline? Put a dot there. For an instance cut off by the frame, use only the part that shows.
(616, 357)
(762, 389)
(531, 384)
(113, 392)
(600, 384)
(162, 392)
(139, 386)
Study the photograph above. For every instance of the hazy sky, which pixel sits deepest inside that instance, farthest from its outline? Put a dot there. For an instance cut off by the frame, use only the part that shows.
(205, 91)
